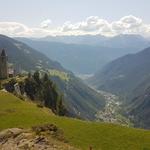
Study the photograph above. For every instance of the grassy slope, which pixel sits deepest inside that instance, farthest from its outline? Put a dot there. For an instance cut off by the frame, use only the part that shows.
(17, 113)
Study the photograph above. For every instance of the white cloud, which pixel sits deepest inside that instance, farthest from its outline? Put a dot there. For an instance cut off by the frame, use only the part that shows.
(13, 28)
(131, 21)
(46, 23)
(95, 25)
(18, 29)
(128, 25)
(91, 25)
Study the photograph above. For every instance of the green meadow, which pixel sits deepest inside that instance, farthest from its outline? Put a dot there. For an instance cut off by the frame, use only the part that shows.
(81, 134)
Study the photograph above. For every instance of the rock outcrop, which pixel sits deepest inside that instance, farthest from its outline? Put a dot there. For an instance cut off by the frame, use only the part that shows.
(38, 138)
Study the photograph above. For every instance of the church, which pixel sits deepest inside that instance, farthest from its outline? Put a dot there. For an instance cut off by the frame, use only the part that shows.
(3, 65)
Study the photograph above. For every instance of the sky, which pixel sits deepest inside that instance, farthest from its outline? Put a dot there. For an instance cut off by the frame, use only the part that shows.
(56, 17)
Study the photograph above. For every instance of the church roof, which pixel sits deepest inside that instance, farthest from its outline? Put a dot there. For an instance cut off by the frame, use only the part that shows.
(3, 53)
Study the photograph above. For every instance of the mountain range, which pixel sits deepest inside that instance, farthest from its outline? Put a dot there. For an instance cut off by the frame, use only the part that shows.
(25, 57)
(129, 77)
(123, 75)
(84, 104)
(87, 54)
(118, 41)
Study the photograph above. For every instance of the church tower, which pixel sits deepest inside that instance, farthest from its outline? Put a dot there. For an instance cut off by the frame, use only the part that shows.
(3, 65)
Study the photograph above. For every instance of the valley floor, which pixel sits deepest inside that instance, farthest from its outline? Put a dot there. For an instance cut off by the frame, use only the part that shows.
(112, 111)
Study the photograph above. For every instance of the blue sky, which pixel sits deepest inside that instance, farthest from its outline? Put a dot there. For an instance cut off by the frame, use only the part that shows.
(29, 14)
(32, 12)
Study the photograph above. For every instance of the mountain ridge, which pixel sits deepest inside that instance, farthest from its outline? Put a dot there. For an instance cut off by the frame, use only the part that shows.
(28, 59)
(85, 58)
(132, 67)
(129, 77)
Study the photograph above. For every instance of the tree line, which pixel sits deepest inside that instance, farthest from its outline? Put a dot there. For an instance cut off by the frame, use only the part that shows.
(41, 90)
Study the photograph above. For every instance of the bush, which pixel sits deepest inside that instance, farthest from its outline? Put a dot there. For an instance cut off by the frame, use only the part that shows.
(40, 105)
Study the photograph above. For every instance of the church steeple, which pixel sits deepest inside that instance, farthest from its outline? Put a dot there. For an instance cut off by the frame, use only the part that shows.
(3, 65)
(3, 53)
